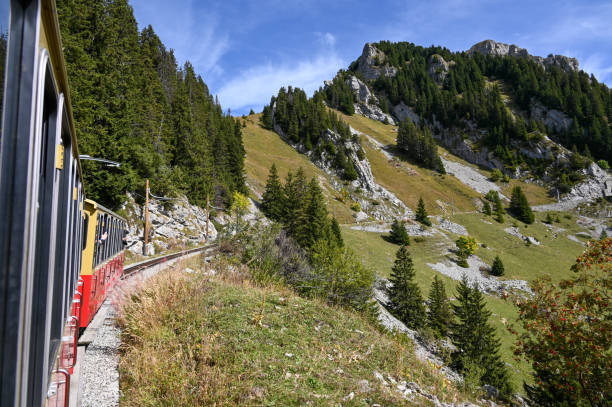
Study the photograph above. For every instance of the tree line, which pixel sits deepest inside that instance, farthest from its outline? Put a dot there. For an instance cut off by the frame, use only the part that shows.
(471, 93)
(134, 104)
(306, 121)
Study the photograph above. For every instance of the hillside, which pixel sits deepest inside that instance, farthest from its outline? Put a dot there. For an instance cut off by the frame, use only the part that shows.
(240, 344)
(457, 197)
(495, 106)
(264, 148)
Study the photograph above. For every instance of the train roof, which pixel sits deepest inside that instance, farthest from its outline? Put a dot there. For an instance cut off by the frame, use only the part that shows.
(101, 208)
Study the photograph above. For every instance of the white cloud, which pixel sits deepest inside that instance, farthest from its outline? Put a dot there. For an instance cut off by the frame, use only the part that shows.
(598, 66)
(194, 37)
(253, 87)
(327, 39)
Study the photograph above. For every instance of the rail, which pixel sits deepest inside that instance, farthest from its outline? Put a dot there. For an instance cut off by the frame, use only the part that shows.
(136, 267)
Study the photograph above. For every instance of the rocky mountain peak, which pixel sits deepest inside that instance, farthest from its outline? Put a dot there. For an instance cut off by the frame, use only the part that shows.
(372, 63)
(491, 47)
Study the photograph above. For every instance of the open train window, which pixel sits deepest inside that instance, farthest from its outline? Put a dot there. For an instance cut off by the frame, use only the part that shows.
(85, 228)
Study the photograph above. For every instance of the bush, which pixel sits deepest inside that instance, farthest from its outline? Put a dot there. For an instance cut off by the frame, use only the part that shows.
(567, 334)
(356, 207)
(603, 164)
(496, 175)
(399, 234)
(497, 269)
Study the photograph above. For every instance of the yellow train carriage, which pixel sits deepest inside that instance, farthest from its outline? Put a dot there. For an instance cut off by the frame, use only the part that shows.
(103, 257)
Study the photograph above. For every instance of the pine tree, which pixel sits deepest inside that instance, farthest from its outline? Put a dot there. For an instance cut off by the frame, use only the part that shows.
(421, 213)
(273, 200)
(497, 269)
(519, 206)
(604, 234)
(405, 301)
(313, 220)
(486, 209)
(296, 200)
(476, 342)
(499, 209)
(399, 234)
(439, 316)
(336, 234)
(549, 218)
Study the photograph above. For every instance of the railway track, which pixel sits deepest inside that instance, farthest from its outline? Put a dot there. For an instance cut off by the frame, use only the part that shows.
(143, 265)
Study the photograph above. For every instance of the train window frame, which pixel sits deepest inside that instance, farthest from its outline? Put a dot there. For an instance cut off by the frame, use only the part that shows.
(44, 346)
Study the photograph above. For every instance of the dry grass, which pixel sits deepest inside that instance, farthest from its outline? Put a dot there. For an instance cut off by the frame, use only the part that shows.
(264, 148)
(197, 340)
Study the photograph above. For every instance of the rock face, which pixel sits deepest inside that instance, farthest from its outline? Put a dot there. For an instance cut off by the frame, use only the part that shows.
(403, 111)
(372, 63)
(437, 68)
(490, 47)
(553, 119)
(177, 225)
(388, 206)
(366, 102)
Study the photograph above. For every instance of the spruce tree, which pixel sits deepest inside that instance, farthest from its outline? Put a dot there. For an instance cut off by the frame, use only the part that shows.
(439, 315)
(405, 301)
(499, 209)
(497, 269)
(519, 206)
(296, 200)
(399, 234)
(486, 209)
(273, 199)
(336, 234)
(475, 339)
(313, 219)
(421, 214)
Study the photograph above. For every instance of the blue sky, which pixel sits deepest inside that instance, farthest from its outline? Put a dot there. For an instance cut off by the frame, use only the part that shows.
(247, 50)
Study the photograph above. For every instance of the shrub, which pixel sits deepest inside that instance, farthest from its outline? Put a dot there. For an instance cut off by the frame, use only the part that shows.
(399, 234)
(496, 175)
(497, 269)
(567, 333)
(603, 164)
(356, 207)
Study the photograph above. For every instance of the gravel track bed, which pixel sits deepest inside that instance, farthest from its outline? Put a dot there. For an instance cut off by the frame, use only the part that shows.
(100, 374)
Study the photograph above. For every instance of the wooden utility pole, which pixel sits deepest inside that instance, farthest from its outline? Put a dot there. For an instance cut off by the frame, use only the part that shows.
(146, 226)
(207, 216)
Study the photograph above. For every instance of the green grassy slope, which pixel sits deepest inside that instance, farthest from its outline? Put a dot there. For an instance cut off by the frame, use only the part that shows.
(553, 258)
(190, 339)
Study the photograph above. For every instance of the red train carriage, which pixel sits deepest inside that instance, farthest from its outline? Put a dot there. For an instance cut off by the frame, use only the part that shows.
(102, 257)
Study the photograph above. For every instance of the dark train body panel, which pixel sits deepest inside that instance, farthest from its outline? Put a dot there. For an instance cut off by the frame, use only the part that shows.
(55, 272)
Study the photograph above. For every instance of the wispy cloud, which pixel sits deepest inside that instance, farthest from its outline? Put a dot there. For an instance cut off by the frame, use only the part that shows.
(327, 39)
(598, 65)
(253, 87)
(199, 38)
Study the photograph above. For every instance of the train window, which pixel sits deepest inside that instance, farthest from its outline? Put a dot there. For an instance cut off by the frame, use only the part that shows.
(97, 240)
(85, 228)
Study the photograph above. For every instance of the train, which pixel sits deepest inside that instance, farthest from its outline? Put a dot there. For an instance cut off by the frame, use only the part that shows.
(60, 253)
